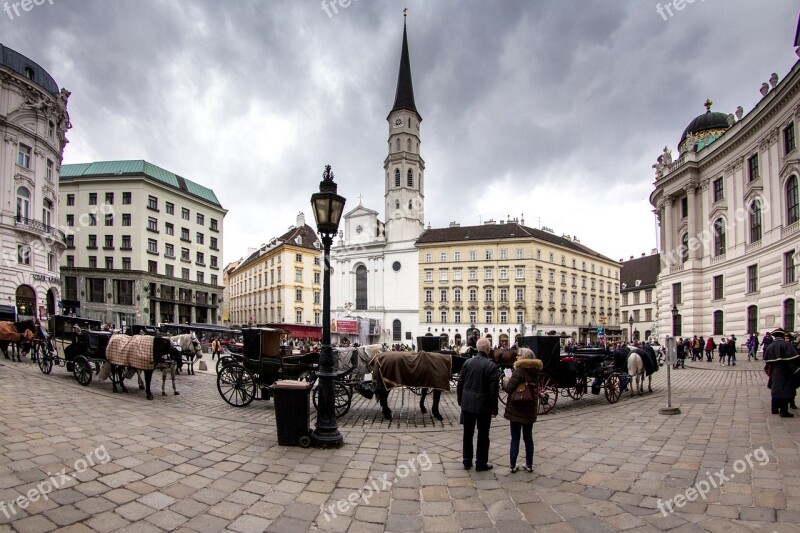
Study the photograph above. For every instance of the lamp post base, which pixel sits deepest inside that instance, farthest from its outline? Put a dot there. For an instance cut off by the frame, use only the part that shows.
(669, 411)
(327, 439)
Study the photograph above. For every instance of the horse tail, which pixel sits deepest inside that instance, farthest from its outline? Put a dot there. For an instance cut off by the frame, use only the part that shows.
(634, 364)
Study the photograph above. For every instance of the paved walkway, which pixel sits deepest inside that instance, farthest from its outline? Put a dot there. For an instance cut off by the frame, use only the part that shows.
(193, 463)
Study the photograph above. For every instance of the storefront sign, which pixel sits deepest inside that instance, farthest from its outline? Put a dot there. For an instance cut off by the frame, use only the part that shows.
(345, 326)
(49, 279)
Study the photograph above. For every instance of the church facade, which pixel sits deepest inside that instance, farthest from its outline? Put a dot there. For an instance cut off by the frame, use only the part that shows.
(375, 276)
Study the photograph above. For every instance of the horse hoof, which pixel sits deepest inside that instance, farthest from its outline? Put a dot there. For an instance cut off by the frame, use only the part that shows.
(177, 393)
(149, 396)
(163, 394)
(437, 416)
(423, 410)
(141, 387)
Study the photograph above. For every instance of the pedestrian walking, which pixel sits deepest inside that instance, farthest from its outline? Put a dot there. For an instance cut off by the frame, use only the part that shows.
(723, 351)
(782, 363)
(216, 348)
(680, 350)
(477, 394)
(522, 414)
(710, 347)
(752, 346)
(732, 351)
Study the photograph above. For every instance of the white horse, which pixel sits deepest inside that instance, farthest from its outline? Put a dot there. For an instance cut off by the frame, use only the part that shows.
(190, 347)
(636, 371)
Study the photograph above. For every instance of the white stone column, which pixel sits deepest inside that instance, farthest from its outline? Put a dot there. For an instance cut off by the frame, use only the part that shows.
(691, 223)
(669, 230)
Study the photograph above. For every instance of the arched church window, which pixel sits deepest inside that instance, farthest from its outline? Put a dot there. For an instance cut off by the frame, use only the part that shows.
(410, 205)
(361, 287)
(792, 203)
(397, 204)
(410, 178)
(397, 177)
(408, 145)
(397, 144)
(23, 203)
(396, 331)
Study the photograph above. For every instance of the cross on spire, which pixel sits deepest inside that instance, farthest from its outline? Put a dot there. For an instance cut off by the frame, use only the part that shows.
(405, 12)
(359, 199)
(708, 103)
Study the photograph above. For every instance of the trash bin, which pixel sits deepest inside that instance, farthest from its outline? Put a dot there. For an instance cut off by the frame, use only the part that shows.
(291, 412)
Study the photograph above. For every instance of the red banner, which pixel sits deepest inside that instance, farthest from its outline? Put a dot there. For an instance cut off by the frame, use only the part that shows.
(344, 326)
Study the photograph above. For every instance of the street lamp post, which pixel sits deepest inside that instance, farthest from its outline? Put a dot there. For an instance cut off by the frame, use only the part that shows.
(328, 207)
(630, 329)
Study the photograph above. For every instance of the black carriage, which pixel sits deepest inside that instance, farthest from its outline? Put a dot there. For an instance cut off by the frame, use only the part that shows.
(51, 347)
(570, 374)
(87, 354)
(249, 376)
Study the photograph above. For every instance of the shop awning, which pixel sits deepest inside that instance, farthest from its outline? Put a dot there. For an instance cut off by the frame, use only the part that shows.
(300, 331)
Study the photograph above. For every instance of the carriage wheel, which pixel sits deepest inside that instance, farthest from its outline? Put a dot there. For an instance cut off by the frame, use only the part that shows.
(82, 370)
(613, 388)
(43, 359)
(503, 395)
(577, 391)
(222, 362)
(342, 398)
(548, 393)
(236, 385)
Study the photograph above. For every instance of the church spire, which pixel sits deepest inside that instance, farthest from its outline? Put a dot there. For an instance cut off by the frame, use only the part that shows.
(404, 95)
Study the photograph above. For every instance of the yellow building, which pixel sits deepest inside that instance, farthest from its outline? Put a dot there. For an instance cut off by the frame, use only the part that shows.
(280, 283)
(508, 279)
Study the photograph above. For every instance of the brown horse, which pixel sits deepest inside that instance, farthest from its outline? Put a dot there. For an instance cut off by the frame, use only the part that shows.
(504, 357)
(20, 334)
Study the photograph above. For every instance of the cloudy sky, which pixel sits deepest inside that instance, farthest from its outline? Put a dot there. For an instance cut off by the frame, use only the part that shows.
(554, 110)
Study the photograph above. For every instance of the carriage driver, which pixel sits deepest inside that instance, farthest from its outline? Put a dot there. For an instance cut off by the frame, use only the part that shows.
(477, 391)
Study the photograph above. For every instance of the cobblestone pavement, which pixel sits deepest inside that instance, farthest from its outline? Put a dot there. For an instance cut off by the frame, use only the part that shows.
(193, 463)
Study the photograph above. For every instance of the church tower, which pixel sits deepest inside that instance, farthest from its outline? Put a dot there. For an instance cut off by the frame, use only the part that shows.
(404, 168)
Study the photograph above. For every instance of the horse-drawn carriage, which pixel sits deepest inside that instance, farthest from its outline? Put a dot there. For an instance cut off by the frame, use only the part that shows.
(569, 374)
(249, 376)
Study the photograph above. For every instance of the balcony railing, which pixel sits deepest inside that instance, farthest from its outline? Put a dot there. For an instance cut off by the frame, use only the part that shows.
(40, 228)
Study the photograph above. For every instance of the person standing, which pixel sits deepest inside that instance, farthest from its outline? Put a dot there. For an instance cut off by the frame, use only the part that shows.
(710, 347)
(522, 415)
(732, 351)
(215, 348)
(782, 363)
(752, 346)
(680, 350)
(723, 350)
(477, 393)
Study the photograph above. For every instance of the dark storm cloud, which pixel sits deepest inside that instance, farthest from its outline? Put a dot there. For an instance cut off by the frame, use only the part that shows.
(551, 109)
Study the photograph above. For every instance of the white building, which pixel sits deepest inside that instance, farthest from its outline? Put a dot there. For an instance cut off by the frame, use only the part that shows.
(33, 122)
(641, 319)
(730, 218)
(144, 245)
(375, 263)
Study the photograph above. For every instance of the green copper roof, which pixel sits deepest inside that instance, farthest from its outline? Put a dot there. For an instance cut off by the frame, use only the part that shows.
(136, 168)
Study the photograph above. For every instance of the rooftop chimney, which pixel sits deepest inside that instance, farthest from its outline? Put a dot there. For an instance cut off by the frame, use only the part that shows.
(643, 254)
(301, 220)
(653, 251)
(455, 224)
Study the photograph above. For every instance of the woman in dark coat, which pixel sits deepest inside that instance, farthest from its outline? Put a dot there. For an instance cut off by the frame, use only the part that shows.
(782, 363)
(520, 415)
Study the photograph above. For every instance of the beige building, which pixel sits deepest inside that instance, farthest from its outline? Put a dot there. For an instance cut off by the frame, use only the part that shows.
(144, 245)
(640, 317)
(33, 122)
(508, 279)
(729, 211)
(280, 283)
(226, 291)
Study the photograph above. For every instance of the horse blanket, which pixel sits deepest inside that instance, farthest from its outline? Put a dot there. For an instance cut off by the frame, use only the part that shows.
(131, 351)
(9, 333)
(413, 369)
(648, 360)
(357, 358)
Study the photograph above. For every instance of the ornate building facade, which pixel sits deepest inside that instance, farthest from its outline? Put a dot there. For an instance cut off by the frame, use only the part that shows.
(730, 218)
(33, 124)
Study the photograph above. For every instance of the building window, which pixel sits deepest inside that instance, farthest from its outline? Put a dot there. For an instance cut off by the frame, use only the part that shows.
(788, 138)
(428, 258)
(752, 278)
(520, 273)
(109, 263)
(504, 317)
(185, 254)
(92, 219)
(71, 262)
(788, 314)
(152, 203)
(443, 275)
(473, 255)
(752, 319)
(213, 246)
(520, 294)
(503, 273)
(169, 229)
(23, 254)
(520, 253)
(185, 234)
(70, 199)
(152, 246)
(170, 208)
(126, 198)
(298, 295)
(456, 256)
(200, 238)
(719, 237)
(201, 277)
(152, 267)
(92, 242)
(126, 265)
(214, 280)
(185, 273)
(473, 317)
(49, 170)
(317, 297)
(792, 209)
(788, 268)
(443, 316)
(213, 225)
(184, 213)
(718, 288)
(410, 175)
(487, 274)
(429, 295)
(97, 290)
(473, 295)
(316, 278)
(200, 259)
(109, 219)
(520, 316)
(685, 248)
(126, 219)
(488, 293)
(428, 317)
(488, 255)
(215, 265)
(684, 207)
(676, 294)
(24, 156)
(473, 274)
(457, 274)
(457, 295)
(201, 219)
(110, 198)
(503, 295)
(298, 275)
(429, 275)
(109, 242)
(755, 221)
(397, 174)
(169, 251)
(718, 323)
(489, 317)
(648, 315)
(457, 317)
(752, 167)
(361, 287)
(152, 224)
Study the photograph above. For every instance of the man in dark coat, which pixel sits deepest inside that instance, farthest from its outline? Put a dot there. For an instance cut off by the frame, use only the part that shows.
(477, 392)
(782, 362)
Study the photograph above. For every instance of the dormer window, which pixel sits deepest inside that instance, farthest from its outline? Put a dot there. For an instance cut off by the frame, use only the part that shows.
(29, 73)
